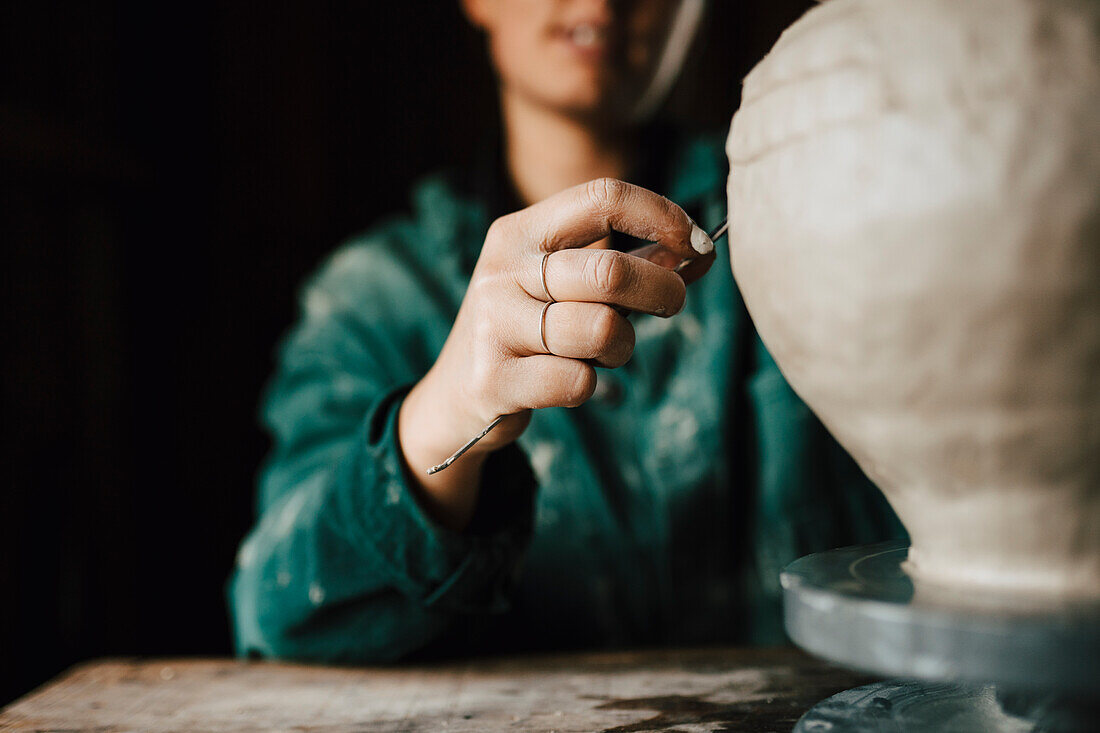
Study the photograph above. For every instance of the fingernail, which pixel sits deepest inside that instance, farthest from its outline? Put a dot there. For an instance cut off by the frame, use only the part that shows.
(700, 242)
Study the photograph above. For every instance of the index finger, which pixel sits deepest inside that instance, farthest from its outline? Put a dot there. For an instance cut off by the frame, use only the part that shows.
(579, 216)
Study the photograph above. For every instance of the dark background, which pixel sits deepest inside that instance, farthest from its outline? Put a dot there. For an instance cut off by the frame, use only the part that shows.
(167, 178)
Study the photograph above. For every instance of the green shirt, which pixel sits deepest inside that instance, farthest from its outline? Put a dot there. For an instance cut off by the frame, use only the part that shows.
(660, 512)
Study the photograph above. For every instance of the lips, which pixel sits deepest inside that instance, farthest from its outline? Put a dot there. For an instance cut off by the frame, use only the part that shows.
(587, 39)
(587, 35)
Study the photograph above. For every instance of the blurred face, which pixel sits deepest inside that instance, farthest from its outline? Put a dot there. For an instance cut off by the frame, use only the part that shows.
(585, 58)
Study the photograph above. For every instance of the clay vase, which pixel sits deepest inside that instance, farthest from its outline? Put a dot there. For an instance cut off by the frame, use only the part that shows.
(915, 227)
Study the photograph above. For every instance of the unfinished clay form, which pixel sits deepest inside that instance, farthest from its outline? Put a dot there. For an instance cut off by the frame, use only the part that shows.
(915, 226)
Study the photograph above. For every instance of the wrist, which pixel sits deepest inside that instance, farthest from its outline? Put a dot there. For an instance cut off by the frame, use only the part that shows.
(428, 432)
(433, 423)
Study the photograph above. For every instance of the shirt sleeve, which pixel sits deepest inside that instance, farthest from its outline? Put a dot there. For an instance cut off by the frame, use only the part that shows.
(343, 563)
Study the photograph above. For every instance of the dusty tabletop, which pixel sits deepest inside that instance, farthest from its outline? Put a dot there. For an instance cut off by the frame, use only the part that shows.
(680, 690)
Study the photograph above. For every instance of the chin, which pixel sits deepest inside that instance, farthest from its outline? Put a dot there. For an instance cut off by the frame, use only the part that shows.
(591, 103)
(579, 86)
(615, 113)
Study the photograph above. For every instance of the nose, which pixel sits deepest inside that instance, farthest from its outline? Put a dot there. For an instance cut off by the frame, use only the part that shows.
(601, 9)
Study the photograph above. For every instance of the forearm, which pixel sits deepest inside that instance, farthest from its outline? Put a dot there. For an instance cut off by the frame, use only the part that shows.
(347, 565)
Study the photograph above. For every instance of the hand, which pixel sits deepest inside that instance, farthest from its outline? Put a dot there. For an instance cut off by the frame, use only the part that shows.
(494, 362)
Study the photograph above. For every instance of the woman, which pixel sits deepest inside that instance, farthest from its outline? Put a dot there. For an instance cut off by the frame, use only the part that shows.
(659, 510)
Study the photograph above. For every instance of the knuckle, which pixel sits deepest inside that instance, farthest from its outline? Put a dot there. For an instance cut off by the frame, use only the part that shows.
(492, 340)
(581, 383)
(630, 338)
(480, 288)
(605, 193)
(501, 229)
(484, 332)
(620, 345)
(495, 231)
(605, 328)
(480, 386)
(679, 297)
(492, 283)
(625, 345)
(606, 272)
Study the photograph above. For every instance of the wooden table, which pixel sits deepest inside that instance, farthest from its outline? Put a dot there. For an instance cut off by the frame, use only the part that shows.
(684, 690)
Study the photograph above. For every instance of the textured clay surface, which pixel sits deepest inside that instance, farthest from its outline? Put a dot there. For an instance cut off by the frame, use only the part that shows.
(915, 227)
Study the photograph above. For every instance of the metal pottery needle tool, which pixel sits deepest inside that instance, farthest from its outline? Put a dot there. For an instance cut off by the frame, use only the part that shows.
(714, 235)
